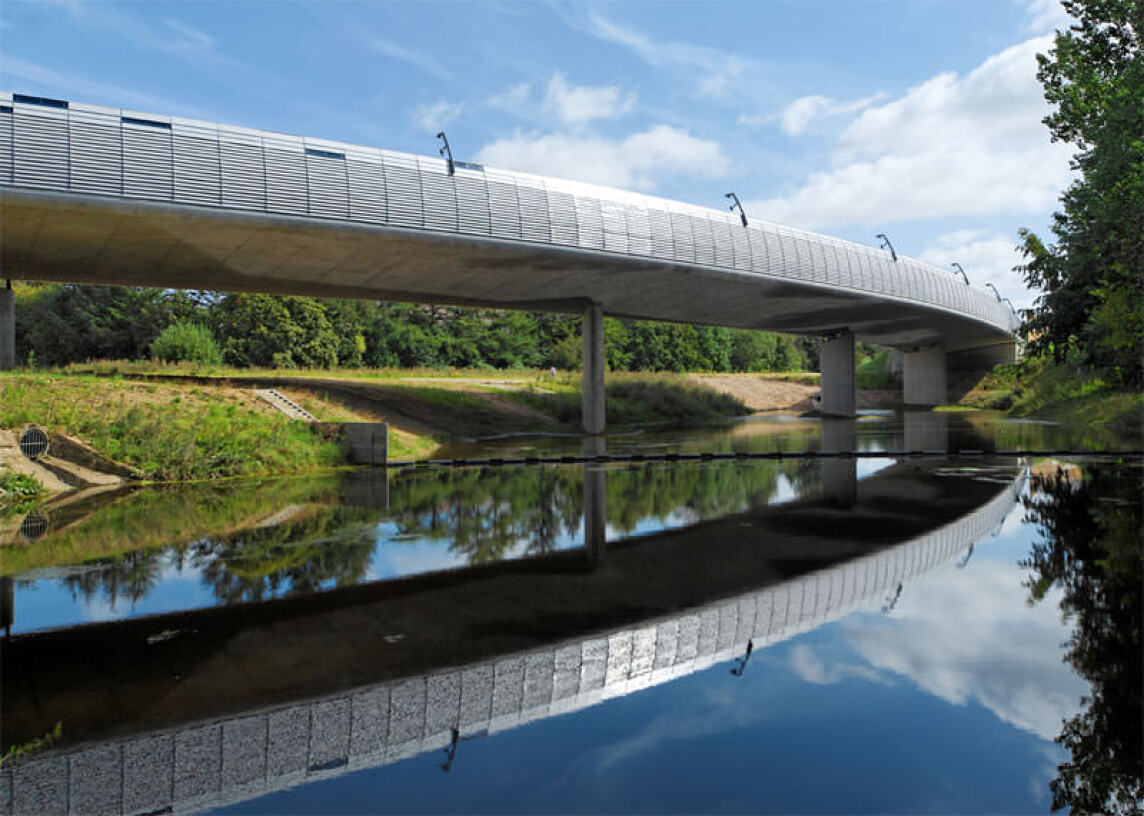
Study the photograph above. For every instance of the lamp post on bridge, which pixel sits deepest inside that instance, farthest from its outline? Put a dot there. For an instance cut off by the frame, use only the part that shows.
(887, 245)
(957, 266)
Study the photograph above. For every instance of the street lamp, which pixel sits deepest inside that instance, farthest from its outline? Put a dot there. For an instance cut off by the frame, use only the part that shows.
(446, 152)
(739, 204)
(995, 292)
(887, 245)
(957, 266)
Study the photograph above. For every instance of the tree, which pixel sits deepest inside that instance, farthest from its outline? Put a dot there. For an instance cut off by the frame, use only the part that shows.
(275, 332)
(1091, 548)
(1093, 277)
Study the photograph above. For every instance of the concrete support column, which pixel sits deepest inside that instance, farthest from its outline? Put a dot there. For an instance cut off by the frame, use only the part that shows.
(926, 430)
(7, 329)
(840, 475)
(595, 502)
(924, 377)
(836, 360)
(592, 383)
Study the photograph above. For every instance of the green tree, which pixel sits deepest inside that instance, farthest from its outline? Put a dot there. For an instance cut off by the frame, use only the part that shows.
(1093, 277)
(186, 340)
(278, 332)
(1091, 547)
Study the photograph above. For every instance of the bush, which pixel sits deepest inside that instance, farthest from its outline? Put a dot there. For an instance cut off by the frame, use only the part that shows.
(187, 341)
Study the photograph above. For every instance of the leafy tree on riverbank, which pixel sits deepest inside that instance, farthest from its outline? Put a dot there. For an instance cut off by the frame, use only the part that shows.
(1093, 276)
(60, 324)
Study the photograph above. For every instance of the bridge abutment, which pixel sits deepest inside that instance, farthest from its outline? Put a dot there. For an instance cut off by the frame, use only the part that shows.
(924, 379)
(592, 382)
(7, 329)
(836, 361)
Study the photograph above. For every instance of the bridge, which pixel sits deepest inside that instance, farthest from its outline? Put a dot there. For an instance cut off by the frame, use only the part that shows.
(237, 726)
(100, 195)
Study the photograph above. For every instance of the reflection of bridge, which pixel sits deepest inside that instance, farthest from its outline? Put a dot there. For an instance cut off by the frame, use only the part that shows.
(259, 747)
(101, 195)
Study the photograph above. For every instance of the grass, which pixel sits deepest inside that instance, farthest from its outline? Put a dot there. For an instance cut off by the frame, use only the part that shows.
(639, 399)
(165, 432)
(1067, 392)
(19, 492)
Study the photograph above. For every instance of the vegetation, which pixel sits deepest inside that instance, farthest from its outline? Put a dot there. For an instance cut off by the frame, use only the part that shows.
(1091, 548)
(19, 492)
(166, 432)
(639, 400)
(49, 739)
(61, 324)
(186, 341)
(1090, 319)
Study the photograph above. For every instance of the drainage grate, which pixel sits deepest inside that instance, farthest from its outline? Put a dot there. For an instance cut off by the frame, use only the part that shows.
(33, 443)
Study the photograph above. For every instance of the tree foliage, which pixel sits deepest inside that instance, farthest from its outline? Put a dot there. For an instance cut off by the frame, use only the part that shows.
(61, 324)
(1093, 277)
(1091, 548)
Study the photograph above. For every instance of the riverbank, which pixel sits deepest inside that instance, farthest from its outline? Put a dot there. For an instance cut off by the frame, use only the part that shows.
(1070, 394)
(168, 423)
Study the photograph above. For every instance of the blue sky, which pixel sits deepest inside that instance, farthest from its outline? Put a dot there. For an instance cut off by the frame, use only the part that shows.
(919, 119)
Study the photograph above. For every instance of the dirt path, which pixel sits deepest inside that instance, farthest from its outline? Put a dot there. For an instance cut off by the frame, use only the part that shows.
(760, 394)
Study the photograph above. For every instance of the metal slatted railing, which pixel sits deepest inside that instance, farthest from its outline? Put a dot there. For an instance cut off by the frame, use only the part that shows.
(60, 146)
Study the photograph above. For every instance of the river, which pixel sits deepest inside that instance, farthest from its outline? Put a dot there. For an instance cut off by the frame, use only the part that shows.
(758, 631)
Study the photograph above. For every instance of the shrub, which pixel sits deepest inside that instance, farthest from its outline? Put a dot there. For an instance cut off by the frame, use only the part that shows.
(187, 341)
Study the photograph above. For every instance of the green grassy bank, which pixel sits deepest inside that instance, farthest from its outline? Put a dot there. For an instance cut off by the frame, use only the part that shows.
(1069, 393)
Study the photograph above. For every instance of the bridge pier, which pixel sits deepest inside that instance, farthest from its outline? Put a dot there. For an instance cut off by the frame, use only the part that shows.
(924, 379)
(836, 361)
(595, 502)
(840, 475)
(592, 382)
(7, 328)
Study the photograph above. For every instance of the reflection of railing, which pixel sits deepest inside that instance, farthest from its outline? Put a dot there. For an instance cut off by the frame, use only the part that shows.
(214, 763)
(64, 146)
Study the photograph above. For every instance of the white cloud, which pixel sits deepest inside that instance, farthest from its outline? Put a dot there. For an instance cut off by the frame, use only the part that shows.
(713, 71)
(811, 668)
(1046, 15)
(797, 116)
(951, 146)
(986, 257)
(636, 162)
(410, 56)
(576, 105)
(434, 116)
(996, 651)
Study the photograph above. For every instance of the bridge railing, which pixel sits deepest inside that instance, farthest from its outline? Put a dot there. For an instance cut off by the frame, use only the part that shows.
(72, 147)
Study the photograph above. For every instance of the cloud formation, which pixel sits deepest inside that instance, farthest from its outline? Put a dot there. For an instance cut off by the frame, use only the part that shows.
(638, 161)
(432, 117)
(954, 145)
(576, 105)
(987, 258)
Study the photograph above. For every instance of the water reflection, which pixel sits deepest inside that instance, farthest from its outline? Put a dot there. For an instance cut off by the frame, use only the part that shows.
(524, 639)
(1091, 548)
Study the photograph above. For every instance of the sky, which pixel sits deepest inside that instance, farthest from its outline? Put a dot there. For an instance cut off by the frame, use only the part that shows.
(920, 119)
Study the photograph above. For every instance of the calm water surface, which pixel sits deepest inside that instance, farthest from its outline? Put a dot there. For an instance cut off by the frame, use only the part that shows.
(881, 634)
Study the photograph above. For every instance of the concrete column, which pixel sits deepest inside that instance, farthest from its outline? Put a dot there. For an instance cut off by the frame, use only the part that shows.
(924, 377)
(836, 360)
(595, 503)
(840, 476)
(926, 430)
(592, 383)
(7, 329)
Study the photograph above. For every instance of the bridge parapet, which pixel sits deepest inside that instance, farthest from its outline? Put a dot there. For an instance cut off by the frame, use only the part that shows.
(67, 147)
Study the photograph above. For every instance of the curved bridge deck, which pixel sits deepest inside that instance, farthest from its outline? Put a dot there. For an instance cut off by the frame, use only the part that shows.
(101, 195)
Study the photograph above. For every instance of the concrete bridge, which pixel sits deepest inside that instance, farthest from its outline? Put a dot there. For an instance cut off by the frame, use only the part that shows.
(107, 196)
(237, 735)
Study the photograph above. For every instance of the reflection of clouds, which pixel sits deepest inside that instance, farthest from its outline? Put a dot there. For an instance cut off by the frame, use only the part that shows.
(968, 635)
(811, 668)
(716, 714)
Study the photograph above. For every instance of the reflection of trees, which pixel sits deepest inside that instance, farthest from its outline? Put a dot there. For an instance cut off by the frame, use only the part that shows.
(1092, 549)
(487, 513)
(292, 558)
(127, 577)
